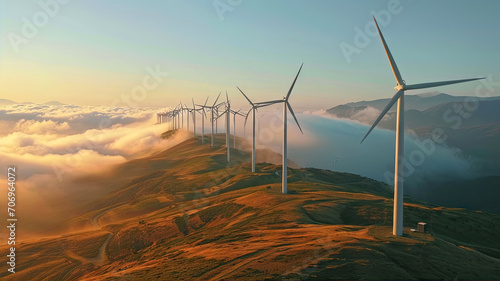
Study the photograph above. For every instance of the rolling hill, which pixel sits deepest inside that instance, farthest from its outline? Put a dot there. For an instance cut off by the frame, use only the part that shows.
(184, 214)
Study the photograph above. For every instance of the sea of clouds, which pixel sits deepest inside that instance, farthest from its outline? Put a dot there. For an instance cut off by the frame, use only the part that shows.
(59, 140)
(56, 141)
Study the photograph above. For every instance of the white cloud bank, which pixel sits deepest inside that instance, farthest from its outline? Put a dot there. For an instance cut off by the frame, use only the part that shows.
(58, 140)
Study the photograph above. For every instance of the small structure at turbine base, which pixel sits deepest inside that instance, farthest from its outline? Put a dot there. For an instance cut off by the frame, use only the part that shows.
(422, 227)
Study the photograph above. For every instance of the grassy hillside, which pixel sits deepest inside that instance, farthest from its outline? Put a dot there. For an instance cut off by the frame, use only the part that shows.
(184, 213)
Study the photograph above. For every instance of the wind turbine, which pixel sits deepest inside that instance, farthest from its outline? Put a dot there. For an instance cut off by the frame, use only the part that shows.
(234, 124)
(211, 117)
(397, 227)
(253, 108)
(286, 105)
(181, 115)
(335, 159)
(190, 110)
(194, 110)
(203, 116)
(228, 128)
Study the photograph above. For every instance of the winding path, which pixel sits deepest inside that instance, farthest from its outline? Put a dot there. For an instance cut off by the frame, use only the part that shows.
(101, 257)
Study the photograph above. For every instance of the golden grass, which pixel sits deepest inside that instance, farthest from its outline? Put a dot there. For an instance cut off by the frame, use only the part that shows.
(184, 214)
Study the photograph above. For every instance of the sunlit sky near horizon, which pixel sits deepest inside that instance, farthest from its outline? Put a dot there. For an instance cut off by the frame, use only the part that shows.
(96, 52)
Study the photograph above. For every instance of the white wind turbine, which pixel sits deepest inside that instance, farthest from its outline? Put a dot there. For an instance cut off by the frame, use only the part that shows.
(188, 110)
(228, 128)
(202, 111)
(335, 159)
(286, 105)
(181, 115)
(397, 228)
(214, 106)
(203, 116)
(253, 109)
(226, 113)
(234, 124)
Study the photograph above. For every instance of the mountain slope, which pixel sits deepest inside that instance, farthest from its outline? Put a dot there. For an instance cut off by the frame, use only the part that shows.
(185, 214)
(417, 102)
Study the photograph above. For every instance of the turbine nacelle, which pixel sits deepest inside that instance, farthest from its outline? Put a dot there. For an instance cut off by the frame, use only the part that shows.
(400, 87)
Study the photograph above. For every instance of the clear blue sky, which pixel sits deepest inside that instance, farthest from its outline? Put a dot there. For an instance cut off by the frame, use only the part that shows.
(93, 52)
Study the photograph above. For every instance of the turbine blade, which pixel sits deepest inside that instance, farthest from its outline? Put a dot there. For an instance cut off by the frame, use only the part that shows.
(194, 107)
(206, 101)
(216, 100)
(293, 84)
(246, 117)
(245, 96)
(268, 102)
(437, 84)
(394, 67)
(265, 104)
(293, 114)
(384, 111)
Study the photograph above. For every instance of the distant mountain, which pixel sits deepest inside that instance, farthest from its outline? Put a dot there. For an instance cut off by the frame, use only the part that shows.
(455, 114)
(474, 128)
(6, 102)
(54, 103)
(9, 102)
(418, 102)
(346, 111)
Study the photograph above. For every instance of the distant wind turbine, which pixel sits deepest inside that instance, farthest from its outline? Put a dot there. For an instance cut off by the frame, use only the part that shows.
(212, 118)
(227, 114)
(234, 124)
(181, 115)
(228, 128)
(202, 112)
(401, 87)
(335, 159)
(204, 115)
(253, 109)
(286, 105)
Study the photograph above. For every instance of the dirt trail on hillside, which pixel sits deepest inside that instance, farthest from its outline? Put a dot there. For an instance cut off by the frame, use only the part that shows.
(101, 257)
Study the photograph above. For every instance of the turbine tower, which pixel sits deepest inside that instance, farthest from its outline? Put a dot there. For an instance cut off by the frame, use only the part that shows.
(335, 159)
(228, 128)
(397, 228)
(226, 113)
(194, 110)
(203, 116)
(181, 115)
(212, 119)
(234, 124)
(253, 108)
(286, 104)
